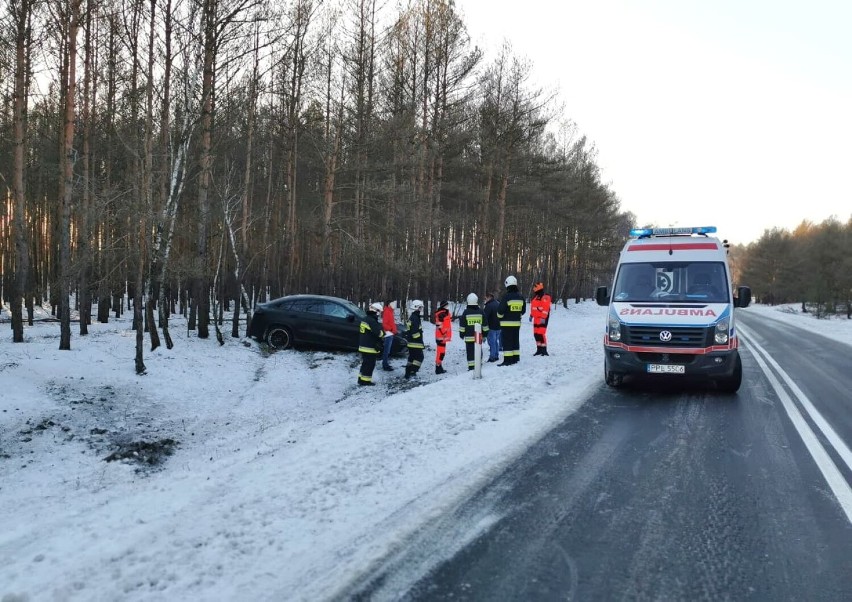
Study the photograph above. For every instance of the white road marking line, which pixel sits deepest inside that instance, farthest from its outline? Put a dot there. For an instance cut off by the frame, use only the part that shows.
(836, 441)
(841, 489)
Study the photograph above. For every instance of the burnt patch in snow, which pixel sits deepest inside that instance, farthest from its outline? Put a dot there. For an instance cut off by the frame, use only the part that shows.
(402, 384)
(115, 422)
(147, 453)
(318, 359)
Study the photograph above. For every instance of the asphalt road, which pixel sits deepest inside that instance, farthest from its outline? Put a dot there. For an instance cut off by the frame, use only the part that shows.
(653, 492)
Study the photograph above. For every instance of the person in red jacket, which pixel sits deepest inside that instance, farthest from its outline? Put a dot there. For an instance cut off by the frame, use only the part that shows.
(443, 335)
(390, 329)
(540, 314)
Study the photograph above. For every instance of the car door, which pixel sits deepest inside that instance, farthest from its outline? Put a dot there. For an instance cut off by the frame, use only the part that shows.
(309, 321)
(340, 325)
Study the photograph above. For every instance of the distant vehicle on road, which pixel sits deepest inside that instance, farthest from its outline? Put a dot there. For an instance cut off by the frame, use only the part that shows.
(316, 321)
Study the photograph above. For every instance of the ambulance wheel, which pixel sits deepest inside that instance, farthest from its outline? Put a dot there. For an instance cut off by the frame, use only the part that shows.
(731, 384)
(612, 379)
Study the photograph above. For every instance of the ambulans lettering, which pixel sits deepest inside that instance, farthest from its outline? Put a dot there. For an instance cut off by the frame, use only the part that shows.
(667, 311)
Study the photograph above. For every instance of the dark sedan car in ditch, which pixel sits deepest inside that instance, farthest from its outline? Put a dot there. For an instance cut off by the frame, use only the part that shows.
(316, 321)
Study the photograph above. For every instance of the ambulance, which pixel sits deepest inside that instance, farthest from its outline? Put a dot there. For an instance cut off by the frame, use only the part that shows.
(671, 309)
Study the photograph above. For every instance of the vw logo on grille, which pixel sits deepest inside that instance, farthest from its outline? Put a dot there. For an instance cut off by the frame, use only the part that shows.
(665, 336)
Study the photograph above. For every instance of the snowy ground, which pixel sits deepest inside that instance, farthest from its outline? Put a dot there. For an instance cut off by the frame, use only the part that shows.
(242, 475)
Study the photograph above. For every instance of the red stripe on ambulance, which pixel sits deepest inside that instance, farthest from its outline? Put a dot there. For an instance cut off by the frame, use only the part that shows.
(694, 246)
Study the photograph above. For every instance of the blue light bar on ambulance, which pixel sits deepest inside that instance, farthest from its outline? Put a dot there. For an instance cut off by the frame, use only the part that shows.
(648, 232)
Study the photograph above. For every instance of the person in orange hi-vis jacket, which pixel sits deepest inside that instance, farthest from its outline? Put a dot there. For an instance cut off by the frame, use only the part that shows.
(540, 314)
(443, 335)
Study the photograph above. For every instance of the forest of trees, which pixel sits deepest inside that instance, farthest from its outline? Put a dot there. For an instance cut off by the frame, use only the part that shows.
(187, 155)
(191, 153)
(811, 265)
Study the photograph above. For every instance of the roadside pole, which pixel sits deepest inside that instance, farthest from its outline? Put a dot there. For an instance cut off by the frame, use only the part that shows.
(477, 351)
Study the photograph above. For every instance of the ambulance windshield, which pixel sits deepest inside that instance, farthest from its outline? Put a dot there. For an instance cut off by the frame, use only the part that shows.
(699, 282)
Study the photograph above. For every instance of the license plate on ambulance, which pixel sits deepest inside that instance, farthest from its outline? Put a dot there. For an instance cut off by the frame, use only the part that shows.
(666, 369)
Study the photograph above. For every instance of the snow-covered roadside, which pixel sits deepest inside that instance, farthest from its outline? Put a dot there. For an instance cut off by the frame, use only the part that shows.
(835, 327)
(286, 480)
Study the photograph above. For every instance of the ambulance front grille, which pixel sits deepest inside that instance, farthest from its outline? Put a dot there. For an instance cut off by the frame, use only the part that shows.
(681, 336)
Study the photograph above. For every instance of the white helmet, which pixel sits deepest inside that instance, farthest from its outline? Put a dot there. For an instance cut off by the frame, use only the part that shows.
(472, 299)
(511, 281)
(416, 304)
(376, 307)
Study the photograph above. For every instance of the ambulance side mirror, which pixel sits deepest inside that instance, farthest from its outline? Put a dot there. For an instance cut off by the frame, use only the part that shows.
(743, 298)
(602, 296)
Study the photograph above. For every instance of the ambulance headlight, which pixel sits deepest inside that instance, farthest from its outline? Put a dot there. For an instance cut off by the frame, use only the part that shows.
(721, 336)
(614, 328)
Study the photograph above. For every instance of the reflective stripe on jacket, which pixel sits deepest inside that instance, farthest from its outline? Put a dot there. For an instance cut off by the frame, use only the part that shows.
(414, 331)
(467, 323)
(443, 326)
(370, 335)
(512, 307)
(540, 309)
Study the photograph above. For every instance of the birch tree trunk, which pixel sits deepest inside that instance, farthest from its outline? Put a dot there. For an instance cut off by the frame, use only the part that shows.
(242, 295)
(148, 180)
(171, 182)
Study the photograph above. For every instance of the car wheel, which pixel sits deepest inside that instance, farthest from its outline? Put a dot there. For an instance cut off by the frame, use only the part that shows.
(731, 384)
(279, 337)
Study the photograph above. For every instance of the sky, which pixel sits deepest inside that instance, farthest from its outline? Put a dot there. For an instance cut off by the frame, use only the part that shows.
(729, 113)
(286, 482)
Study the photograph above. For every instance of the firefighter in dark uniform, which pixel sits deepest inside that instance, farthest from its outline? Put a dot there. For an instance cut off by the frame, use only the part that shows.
(512, 307)
(414, 336)
(467, 327)
(443, 335)
(370, 344)
(540, 315)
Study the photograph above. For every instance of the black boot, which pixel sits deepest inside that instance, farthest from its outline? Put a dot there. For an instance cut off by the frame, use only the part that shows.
(408, 372)
(538, 351)
(544, 351)
(439, 370)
